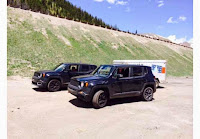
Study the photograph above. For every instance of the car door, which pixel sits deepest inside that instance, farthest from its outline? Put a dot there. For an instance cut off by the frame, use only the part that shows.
(126, 85)
(65, 75)
(116, 84)
(135, 82)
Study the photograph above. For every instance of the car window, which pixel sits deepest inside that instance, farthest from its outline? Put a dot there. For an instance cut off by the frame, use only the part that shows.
(123, 71)
(85, 68)
(137, 71)
(92, 67)
(103, 70)
(60, 68)
(145, 70)
(73, 68)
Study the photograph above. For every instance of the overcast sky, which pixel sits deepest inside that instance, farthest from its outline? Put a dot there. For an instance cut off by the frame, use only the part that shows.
(172, 19)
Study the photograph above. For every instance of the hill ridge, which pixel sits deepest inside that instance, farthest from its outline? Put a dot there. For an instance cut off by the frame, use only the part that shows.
(115, 29)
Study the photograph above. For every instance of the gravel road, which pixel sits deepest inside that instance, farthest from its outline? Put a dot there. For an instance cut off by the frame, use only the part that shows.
(34, 113)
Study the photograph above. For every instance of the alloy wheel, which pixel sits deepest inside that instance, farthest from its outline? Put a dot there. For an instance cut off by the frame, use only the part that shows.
(148, 94)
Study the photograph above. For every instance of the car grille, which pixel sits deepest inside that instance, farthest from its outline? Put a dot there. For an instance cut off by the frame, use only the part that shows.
(36, 74)
(74, 82)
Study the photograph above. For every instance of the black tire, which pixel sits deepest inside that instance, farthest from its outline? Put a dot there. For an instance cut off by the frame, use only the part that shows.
(54, 85)
(99, 99)
(147, 94)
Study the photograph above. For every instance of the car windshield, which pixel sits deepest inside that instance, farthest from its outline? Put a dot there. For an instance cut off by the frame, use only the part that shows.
(60, 68)
(103, 71)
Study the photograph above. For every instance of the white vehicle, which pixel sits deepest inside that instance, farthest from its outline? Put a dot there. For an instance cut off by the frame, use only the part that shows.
(158, 67)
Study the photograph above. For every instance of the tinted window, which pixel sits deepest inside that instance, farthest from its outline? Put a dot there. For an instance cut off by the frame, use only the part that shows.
(103, 70)
(85, 68)
(93, 67)
(137, 71)
(60, 68)
(124, 72)
(73, 68)
(145, 70)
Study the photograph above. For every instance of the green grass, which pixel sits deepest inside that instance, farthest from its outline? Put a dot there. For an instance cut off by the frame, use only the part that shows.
(29, 49)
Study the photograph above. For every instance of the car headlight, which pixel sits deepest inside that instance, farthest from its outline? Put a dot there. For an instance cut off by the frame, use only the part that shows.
(82, 84)
(40, 75)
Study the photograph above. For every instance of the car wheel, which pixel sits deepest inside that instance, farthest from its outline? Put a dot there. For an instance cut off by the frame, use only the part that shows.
(54, 85)
(147, 94)
(100, 99)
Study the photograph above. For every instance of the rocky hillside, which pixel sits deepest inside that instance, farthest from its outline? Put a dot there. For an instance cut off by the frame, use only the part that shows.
(38, 41)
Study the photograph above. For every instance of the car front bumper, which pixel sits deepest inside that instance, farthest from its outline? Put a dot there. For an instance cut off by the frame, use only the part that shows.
(39, 82)
(76, 91)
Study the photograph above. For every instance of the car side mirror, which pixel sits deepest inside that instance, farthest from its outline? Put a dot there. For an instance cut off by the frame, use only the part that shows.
(66, 70)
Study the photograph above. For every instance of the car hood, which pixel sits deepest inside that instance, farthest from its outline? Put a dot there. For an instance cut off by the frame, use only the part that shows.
(46, 71)
(88, 78)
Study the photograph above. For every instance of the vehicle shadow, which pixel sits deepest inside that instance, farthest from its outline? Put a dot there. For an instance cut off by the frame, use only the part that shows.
(45, 90)
(160, 87)
(82, 104)
(118, 101)
(40, 89)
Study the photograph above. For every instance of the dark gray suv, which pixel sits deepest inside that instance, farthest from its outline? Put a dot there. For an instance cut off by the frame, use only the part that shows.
(114, 81)
(53, 80)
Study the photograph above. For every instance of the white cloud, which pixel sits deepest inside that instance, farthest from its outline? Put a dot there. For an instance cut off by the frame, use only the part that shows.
(111, 1)
(171, 21)
(98, 0)
(116, 2)
(122, 2)
(176, 40)
(181, 40)
(191, 42)
(182, 18)
(109, 7)
(161, 3)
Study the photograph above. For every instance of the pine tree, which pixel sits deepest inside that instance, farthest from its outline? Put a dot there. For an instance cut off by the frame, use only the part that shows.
(61, 8)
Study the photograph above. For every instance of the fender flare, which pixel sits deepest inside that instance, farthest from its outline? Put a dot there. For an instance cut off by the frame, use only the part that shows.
(99, 87)
(148, 84)
(55, 77)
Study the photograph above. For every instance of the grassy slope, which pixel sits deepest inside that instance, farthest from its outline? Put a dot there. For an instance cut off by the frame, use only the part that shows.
(37, 43)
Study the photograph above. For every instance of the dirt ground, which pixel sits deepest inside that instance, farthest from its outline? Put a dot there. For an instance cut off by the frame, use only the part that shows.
(34, 113)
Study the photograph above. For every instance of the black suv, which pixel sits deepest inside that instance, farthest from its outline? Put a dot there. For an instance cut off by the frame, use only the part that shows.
(114, 81)
(53, 80)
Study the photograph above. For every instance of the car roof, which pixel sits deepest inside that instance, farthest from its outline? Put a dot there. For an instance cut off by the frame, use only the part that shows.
(77, 64)
(122, 65)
